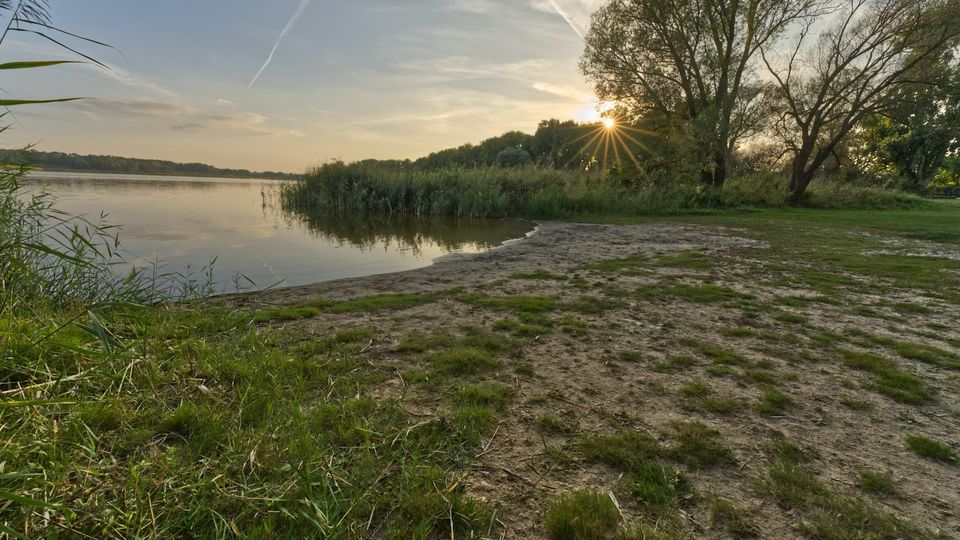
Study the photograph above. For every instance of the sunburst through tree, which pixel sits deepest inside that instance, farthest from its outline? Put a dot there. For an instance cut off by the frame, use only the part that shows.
(606, 143)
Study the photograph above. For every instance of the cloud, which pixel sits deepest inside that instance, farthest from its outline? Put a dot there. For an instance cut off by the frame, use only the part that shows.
(240, 123)
(562, 91)
(577, 13)
(131, 108)
(283, 33)
(479, 7)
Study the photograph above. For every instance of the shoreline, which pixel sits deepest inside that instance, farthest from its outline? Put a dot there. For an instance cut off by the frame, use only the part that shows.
(554, 246)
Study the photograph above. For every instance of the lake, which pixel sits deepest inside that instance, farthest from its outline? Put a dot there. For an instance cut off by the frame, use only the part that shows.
(180, 224)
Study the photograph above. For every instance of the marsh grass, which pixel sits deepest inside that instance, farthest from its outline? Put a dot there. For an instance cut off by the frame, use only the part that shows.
(492, 192)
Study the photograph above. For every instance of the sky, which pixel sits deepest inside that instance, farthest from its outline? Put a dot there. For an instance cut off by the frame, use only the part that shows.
(289, 84)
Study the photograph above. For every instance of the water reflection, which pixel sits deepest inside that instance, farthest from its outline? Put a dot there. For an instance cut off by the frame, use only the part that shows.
(185, 222)
(405, 233)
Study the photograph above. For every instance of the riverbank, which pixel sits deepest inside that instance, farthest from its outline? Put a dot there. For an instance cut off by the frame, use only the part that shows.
(778, 373)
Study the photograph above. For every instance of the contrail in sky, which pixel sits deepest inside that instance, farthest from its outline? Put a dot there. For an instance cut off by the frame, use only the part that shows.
(566, 17)
(286, 29)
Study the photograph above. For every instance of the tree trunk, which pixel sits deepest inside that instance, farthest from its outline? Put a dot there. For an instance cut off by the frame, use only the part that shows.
(716, 175)
(719, 170)
(800, 176)
(799, 180)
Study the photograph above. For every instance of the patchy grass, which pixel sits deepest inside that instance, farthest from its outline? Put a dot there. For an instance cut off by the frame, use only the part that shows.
(383, 302)
(922, 352)
(700, 294)
(634, 453)
(488, 394)
(574, 326)
(791, 318)
(738, 332)
(462, 361)
(699, 446)
(553, 424)
(877, 483)
(592, 305)
(719, 355)
(626, 266)
(518, 303)
(674, 364)
(932, 449)
(582, 515)
(890, 380)
(826, 513)
(774, 403)
(691, 260)
(526, 325)
(540, 275)
(733, 520)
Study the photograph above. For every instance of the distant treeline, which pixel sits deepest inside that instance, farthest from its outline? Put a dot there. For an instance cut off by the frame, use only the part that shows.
(59, 161)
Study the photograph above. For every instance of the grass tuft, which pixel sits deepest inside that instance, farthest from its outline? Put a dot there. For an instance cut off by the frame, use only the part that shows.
(932, 450)
(461, 361)
(582, 515)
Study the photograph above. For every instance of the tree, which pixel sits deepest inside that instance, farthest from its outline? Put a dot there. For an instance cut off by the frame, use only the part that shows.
(691, 58)
(856, 68)
(922, 127)
(513, 157)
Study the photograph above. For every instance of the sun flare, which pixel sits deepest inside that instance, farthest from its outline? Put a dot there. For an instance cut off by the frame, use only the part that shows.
(609, 123)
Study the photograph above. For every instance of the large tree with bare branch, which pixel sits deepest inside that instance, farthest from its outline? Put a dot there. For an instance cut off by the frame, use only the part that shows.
(870, 50)
(691, 58)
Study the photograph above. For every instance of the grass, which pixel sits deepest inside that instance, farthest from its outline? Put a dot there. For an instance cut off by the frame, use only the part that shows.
(921, 352)
(582, 515)
(889, 380)
(932, 449)
(518, 304)
(824, 512)
(719, 355)
(485, 192)
(462, 361)
(213, 395)
(488, 394)
(200, 421)
(877, 483)
(674, 364)
(774, 403)
(698, 446)
(552, 424)
(652, 483)
(700, 294)
(540, 275)
(384, 302)
(736, 522)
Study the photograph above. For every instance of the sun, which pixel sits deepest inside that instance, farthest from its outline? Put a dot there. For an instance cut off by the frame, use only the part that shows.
(609, 123)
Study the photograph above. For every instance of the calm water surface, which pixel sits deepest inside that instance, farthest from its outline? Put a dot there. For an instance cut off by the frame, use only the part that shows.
(182, 223)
